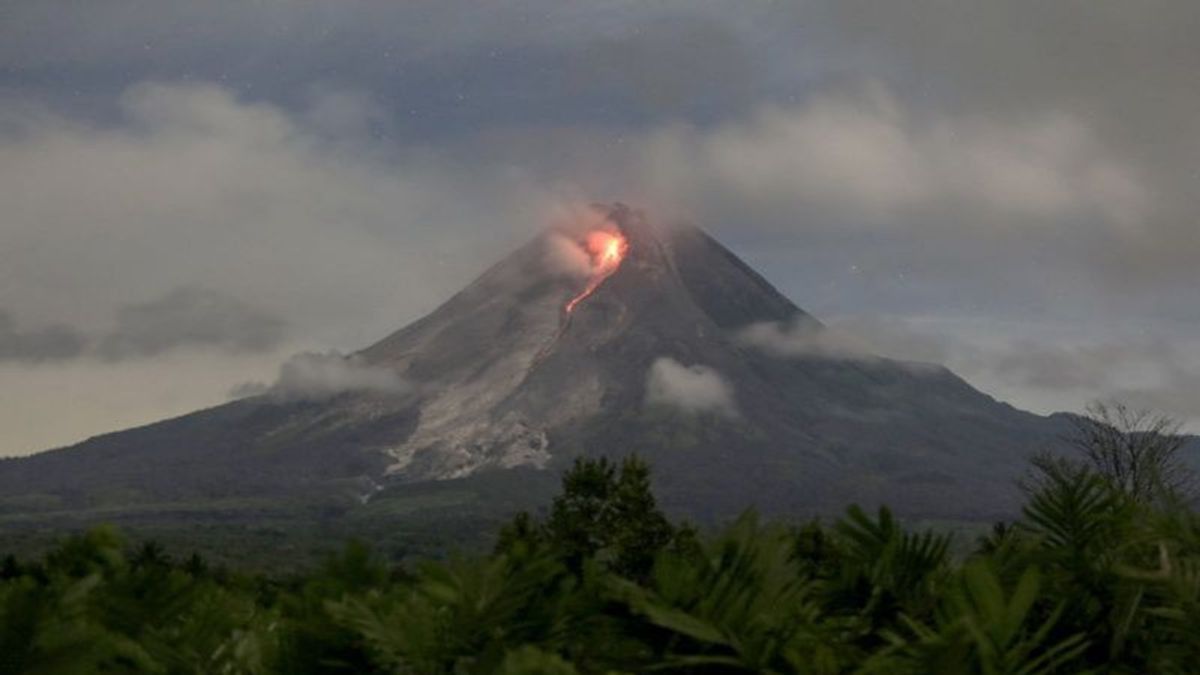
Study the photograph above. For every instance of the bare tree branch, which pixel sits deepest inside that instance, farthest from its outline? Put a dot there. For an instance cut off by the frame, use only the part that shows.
(1135, 450)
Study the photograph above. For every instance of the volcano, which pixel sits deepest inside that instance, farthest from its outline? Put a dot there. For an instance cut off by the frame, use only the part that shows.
(624, 337)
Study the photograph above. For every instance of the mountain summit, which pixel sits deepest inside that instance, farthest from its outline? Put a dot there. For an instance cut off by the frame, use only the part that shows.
(606, 337)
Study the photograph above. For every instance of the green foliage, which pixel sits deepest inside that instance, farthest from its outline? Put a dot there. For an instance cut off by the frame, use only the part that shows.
(981, 628)
(1089, 579)
(606, 512)
(884, 569)
(741, 604)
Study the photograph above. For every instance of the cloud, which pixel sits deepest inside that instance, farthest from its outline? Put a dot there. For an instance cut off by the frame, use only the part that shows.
(1178, 395)
(859, 338)
(1077, 366)
(293, 215)
(1048, 367)
(796, 339)
(41, 344)
(185, 317)
(195, 317)
(1007, 61)
(693, 389)
(314, 377)
(864, 157)
(191, 186)
(1149, 373)
(932, 206)
(895, 337)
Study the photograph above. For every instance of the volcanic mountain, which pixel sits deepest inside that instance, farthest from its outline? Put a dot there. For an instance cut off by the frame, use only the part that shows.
(616, 338)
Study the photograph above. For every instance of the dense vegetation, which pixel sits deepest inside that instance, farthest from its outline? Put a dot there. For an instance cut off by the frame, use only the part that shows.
(1100, 574)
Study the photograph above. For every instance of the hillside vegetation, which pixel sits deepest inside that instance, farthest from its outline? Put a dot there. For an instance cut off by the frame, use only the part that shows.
(1100, 574)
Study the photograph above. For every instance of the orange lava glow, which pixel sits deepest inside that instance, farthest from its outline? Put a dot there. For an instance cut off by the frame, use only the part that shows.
(607, 249)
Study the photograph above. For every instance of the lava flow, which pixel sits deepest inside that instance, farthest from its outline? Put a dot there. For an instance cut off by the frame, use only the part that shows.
(607, 249)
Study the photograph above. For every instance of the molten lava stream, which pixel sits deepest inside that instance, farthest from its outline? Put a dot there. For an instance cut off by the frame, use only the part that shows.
(607, 250)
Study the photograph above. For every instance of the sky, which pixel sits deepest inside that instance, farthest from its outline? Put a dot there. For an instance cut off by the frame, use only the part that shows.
(193, 192)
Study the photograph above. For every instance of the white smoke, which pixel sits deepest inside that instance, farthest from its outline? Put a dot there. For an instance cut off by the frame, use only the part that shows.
(566, 249)
(566, 257)
(695, 388)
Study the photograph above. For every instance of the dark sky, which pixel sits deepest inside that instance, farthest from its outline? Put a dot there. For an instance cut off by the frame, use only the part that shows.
(191, 191)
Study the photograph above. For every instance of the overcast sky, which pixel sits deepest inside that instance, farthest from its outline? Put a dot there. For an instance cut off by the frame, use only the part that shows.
(190, 192)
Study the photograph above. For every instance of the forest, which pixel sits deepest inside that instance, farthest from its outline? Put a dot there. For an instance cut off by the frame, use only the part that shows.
(1100, 573)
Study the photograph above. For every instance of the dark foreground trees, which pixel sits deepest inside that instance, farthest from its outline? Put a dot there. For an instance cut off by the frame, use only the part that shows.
(1094, 577)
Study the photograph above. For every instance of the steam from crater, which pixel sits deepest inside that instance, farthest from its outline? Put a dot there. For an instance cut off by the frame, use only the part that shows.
(606, 249)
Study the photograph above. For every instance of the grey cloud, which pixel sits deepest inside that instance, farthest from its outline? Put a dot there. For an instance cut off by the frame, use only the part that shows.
(896, 338)
(1147, 373)
(1114, 57)
(866, 158)
(673, 64)
(193, 317)
(1084, 366)
(695, 388)
(1041, 367)
(1178, 396)
(941, 206)
(194, 187)
(248, 389)
(40, 344)
(447, 68)
(1126, 68)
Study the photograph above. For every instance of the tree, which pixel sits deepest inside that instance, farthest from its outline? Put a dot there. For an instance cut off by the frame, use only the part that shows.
(606, 511)
(1136, 451)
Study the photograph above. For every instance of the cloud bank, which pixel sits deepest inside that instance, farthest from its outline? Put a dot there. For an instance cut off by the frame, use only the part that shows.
(191, 186)
(863, 156)
(184, 317)
(315, 377)
(39, 344)
(191, 317)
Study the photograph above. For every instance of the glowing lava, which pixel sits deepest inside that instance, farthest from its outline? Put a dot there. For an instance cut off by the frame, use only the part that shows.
(607, 249)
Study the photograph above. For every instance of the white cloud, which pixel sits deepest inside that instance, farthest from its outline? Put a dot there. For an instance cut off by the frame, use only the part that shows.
(800, 340)
(695, 388)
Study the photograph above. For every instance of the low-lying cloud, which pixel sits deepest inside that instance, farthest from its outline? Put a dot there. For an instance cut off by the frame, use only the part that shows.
(803, 339)
(694, 389)
(314, 377)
